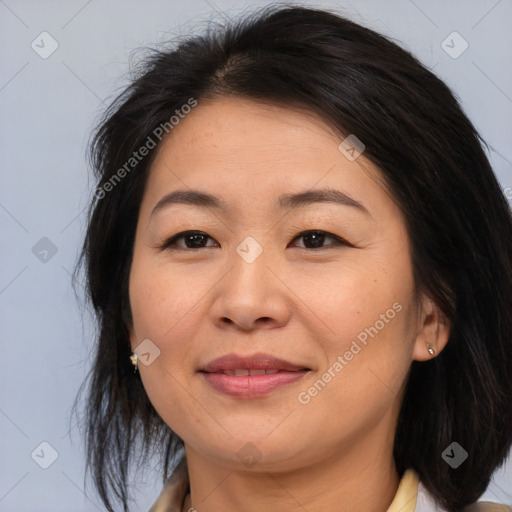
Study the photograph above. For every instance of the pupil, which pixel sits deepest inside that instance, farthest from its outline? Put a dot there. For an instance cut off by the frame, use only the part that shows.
(193, 237)
(317, 238)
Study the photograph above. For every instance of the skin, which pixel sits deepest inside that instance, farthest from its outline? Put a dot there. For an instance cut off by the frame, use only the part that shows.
(300, 303)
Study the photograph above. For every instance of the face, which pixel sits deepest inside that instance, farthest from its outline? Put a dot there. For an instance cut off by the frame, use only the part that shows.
(324, 285)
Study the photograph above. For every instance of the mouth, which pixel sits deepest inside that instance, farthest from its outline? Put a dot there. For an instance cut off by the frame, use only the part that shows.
(251, 377)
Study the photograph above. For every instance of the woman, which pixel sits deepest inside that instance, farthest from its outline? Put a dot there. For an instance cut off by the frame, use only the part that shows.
(300, 261)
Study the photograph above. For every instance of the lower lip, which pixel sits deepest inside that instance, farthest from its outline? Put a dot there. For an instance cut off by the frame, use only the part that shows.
(251, 386)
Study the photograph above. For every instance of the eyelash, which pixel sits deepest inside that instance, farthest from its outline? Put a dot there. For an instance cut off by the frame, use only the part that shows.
(169, 244)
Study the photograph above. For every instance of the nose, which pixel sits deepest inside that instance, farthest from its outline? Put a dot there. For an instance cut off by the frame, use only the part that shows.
(252, 295)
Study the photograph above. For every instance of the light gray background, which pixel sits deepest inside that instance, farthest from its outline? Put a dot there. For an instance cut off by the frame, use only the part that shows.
(48, 108)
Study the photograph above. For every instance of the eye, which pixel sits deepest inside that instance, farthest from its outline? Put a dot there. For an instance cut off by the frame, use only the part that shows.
(316, 239)
(192, 239)
(313, 239)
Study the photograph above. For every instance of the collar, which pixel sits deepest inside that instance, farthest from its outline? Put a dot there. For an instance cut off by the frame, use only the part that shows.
(405, 497)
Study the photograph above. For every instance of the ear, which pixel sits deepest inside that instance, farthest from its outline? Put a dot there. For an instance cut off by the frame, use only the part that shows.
(433, 331)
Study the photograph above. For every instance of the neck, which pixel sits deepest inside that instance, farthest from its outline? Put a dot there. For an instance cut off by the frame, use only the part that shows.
(361, 478)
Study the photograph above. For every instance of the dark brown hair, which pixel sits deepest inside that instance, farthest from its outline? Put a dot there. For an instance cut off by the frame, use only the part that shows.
(432, 159)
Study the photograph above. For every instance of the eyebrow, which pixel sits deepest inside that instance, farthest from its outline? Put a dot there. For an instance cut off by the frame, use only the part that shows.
(285, 201)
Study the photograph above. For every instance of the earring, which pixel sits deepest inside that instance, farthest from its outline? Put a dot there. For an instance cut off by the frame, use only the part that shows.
(133, 359)
(430, 349)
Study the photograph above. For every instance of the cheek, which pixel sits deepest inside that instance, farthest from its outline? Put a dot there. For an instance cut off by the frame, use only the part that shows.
(357, 303)
(163, 311)
(162, 302)
(366, 317)
(366, 365)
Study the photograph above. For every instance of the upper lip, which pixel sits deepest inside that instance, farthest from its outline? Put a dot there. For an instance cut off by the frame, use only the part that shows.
(256, 361)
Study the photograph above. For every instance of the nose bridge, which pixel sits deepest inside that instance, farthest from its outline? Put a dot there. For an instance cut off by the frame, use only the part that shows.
(249, 262)
(249, 250)
(250, 291)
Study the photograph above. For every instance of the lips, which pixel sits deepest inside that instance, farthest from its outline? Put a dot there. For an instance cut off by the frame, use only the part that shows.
(256, 364)
(251, 377)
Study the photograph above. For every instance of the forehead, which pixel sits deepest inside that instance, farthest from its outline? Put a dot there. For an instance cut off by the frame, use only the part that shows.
(231, 125)
(230, 145)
